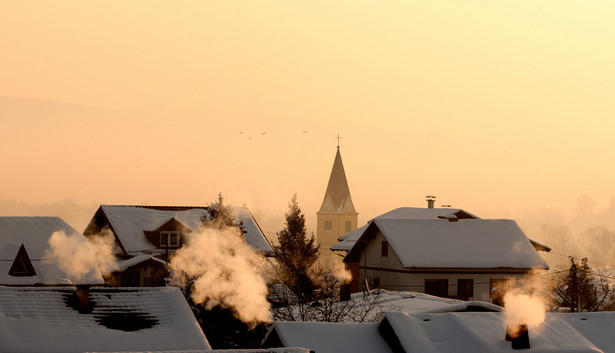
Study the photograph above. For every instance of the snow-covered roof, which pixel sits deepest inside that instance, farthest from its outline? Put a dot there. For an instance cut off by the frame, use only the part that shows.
(426, 213)
(123, 265)
(485, 332)
(414, 302)
(34, 233)
(466, 243)
(326, 337)
(450, 332)
(129, 222)
(118, 319)
(348, 240)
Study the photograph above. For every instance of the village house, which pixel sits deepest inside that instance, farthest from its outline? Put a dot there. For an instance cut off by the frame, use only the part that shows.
(145, 238)
(449, 332)
(81, 319)
(25, 257)
(441, 251)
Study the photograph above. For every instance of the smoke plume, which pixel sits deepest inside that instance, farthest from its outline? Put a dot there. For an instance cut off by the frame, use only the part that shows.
(223, 270)
(81, 259)
(523, 309)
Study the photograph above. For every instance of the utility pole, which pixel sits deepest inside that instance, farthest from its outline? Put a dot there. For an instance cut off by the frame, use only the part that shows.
(575, 296)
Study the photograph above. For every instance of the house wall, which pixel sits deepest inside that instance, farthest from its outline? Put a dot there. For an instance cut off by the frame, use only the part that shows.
(387, 272)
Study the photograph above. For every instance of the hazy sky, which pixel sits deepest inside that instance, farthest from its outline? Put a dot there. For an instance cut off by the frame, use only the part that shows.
(494, 107)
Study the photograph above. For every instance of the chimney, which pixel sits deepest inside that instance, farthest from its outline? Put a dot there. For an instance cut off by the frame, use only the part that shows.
(519, 337)
(83, 295)
(431, 200)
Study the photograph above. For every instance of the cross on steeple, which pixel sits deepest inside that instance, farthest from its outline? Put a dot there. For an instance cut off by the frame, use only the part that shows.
(338, 140)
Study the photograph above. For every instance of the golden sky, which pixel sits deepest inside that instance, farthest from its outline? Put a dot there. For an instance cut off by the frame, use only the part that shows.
(494, 107)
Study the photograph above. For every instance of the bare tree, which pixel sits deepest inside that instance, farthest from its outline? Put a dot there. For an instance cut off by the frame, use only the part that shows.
(329, 301)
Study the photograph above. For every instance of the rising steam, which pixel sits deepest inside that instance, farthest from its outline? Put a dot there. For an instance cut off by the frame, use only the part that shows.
(81, 259)
(224, 271)
(523, 309)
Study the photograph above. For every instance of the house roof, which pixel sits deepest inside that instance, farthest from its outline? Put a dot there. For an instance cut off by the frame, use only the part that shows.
(466, 243)
(129, 222)
(450, 332)
(34, 233)
(414, 302)
(348, 240)
(326, 337)
(47, 319)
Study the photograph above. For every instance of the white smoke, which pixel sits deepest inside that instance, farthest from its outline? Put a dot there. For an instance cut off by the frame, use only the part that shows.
(225, 271)
(81, 259)
(523, 309)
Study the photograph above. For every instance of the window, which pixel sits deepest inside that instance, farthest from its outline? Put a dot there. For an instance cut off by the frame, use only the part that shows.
(170, 239)
(348, 226)
(328, 226)
(465, 288)
(384, 251)
(376, 282)
(437, 287)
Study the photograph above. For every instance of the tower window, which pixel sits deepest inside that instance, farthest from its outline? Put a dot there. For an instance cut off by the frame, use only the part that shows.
(384, 251)
(348, 226)
(328, 226)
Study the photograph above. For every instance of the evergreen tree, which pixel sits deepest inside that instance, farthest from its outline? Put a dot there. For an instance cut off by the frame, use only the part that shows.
(296, 253)
(220, 216)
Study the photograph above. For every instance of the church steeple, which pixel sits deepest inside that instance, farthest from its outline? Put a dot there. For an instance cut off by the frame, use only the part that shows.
(337, 197)
(337, 214)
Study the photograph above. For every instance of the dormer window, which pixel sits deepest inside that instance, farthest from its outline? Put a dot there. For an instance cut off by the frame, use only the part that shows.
(170, 239)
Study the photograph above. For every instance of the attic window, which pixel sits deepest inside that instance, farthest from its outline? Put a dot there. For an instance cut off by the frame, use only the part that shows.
(22, 267)
(170, 239)
(384, 251)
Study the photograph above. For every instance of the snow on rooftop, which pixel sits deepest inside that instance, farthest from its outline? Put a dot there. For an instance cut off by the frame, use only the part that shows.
(485, 332)
(34, 233)
(129, 222)
(450, 332)
(469, 243)
(123, 265)
(422, 213)
(118, 319)
(414, 302)
(348, 240)
(326, 337)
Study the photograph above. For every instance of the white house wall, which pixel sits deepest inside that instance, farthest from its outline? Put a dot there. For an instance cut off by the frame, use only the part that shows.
(391, 275)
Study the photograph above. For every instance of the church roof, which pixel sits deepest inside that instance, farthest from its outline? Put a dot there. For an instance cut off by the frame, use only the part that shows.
(338, 192)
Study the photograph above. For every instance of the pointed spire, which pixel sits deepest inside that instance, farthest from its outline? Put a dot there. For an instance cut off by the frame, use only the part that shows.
(337, 197)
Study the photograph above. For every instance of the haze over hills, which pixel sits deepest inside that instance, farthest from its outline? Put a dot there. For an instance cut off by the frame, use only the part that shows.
(66, 159)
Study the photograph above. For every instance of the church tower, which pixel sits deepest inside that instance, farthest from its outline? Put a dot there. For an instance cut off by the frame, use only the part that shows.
(337, 215)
